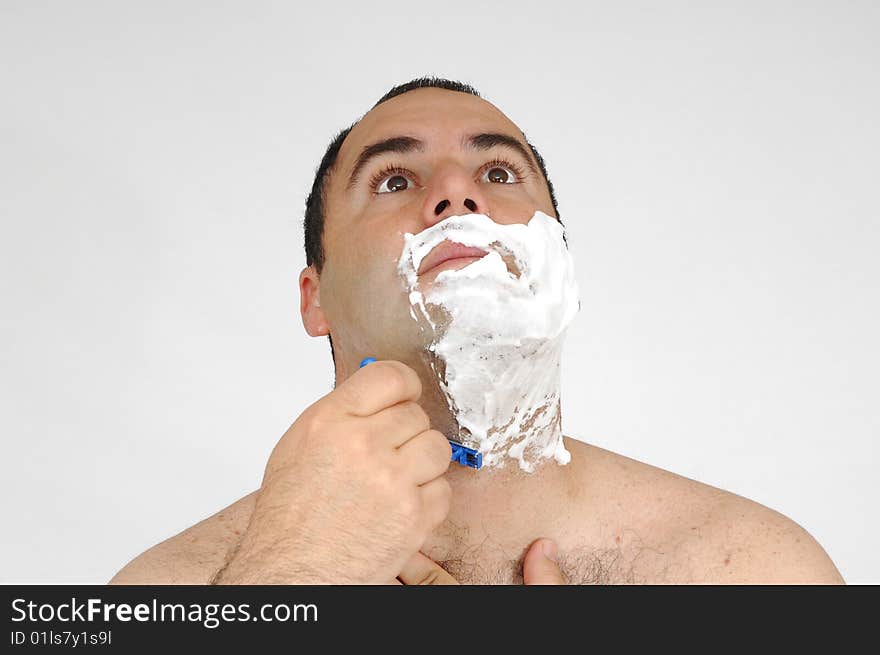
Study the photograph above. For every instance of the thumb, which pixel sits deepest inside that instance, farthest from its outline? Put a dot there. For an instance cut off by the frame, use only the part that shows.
(422, 570)
(539, 564)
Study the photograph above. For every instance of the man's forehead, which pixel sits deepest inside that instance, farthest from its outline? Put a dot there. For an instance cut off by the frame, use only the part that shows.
(436, 116)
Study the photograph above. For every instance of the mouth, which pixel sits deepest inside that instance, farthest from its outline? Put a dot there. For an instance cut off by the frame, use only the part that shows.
(450, 255)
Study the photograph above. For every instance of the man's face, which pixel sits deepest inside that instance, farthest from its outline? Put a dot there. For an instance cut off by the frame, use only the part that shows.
(359, 297)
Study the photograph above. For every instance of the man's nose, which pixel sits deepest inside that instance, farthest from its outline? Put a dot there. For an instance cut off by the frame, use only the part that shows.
(453, 192)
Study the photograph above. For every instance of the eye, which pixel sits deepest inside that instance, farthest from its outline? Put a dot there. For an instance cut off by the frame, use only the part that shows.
(394, 179)
(390, 180)
(499, 171)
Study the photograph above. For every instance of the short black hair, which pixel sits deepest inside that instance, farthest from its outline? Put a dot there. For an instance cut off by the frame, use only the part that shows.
(313, 225)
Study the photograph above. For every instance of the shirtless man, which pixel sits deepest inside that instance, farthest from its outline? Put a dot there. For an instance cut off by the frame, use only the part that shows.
(360, 489)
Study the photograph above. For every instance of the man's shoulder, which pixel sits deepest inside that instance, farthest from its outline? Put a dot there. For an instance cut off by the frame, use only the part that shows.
(749, 543)
(194, 555)
(714, 536)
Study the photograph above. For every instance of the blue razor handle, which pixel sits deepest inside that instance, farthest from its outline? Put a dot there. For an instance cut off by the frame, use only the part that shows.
(460, 453)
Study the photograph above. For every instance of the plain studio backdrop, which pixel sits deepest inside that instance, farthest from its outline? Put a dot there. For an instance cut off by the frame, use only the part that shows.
(716, 169)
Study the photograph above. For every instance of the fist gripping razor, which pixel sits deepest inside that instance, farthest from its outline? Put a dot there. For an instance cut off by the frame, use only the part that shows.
(460, 453)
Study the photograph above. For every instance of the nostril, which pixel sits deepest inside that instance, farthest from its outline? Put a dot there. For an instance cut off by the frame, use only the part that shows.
(443, 204)
(470, 204)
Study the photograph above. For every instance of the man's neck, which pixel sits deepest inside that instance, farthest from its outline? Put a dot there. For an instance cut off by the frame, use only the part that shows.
(488, 507)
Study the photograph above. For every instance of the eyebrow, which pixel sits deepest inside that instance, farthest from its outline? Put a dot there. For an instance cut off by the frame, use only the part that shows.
(406, 144)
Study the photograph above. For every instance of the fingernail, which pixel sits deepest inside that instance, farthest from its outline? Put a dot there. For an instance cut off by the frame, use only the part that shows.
(550, 551)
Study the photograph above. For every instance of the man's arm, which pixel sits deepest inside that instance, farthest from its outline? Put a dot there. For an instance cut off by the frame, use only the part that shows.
(195, 555)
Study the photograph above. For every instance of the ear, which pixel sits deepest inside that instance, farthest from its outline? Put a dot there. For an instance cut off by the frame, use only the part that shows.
(313, 318)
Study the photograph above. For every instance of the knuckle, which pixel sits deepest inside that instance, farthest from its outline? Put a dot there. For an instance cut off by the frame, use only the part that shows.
(314, 421)
(409, 506)
(386, 478)
(393, 378)
(358, 447)
(308, 419)
(401, 379)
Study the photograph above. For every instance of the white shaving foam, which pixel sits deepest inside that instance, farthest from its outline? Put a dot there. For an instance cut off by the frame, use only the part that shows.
(497, 332)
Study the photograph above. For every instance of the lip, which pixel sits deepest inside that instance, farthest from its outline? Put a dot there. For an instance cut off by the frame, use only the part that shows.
(448, 251)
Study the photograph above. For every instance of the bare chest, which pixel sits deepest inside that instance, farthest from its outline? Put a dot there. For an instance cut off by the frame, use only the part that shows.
(626, 556)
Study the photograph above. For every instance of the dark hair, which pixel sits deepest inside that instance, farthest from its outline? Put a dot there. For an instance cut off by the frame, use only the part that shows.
(313, 224)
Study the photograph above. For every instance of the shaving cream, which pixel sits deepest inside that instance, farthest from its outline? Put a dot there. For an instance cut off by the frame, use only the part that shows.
(494, 332)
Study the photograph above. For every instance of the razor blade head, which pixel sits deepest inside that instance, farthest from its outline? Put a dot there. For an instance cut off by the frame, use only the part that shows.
(466, 456)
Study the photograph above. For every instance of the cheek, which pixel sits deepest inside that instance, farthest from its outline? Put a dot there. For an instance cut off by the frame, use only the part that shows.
(508, 211)
(511, 212)
(341, 286)
(362, 286)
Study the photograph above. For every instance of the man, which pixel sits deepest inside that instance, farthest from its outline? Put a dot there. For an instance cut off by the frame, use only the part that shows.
(360, 488)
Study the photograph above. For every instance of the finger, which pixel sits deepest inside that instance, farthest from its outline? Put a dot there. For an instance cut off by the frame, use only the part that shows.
(436, 500)
(422, 570)
(377, 386)
(399, 423)
(540, 565)
(425, 456)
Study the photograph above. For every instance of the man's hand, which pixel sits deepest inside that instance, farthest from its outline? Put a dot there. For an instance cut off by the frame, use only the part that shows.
(539, 568)
(352, 489)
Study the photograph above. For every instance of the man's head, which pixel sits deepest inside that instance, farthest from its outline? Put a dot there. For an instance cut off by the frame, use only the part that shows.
(427, 150)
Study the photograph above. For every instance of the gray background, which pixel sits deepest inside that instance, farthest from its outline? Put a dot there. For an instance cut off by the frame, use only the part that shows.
(716, 168)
